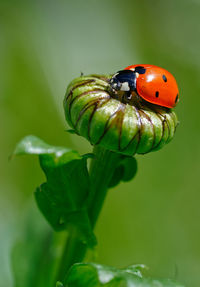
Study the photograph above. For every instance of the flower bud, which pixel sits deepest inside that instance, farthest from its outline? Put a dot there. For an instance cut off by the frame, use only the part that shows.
(105, 119)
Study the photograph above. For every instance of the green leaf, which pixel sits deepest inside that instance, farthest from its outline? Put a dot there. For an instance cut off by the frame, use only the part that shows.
(34, 145)
(96, 275)
(62, 197)
(125, 171)
(32, 260)
(59, 284)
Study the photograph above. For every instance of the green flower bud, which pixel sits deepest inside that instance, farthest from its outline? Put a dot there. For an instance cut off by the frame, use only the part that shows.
(106, 120)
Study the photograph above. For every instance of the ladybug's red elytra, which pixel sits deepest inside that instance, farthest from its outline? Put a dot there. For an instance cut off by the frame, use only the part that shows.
(153, 84)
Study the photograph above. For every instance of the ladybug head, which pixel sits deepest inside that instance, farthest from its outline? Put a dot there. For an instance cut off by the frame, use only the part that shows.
(124, 80)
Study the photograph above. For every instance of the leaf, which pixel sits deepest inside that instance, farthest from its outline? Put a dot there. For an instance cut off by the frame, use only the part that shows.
(96, 275)
(59, 284)
(125, 171)
(32, 260)
(62, 197)
(34, 145)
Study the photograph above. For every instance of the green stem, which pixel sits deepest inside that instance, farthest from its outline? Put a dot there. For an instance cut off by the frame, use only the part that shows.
(101, 170)
(74, 251)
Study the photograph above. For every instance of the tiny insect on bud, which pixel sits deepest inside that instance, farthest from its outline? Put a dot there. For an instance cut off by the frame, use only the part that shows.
(117, 123)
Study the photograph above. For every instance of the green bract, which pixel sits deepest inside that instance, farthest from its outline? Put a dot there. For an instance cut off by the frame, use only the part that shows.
(93, 112)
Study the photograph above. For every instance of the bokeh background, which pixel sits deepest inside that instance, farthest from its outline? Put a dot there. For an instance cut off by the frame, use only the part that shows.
(45, 44)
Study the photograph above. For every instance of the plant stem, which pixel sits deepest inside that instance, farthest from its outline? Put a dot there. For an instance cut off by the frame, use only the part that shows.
(74, 251)
(101, 170)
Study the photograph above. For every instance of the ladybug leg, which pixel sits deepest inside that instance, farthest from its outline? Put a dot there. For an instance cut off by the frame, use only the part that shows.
(127, 96)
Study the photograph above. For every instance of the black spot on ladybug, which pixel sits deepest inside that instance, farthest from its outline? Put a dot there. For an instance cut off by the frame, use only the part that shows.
(140, 70)
(164, 78)
(176, 99)
(157, 94)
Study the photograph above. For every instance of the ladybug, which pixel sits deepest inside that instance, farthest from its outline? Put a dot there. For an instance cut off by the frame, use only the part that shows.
(153, 84)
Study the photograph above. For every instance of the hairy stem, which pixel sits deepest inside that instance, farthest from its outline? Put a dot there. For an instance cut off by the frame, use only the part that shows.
(101, 170)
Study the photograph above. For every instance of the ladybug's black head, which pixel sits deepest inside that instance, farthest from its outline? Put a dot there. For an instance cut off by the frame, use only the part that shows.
(124, 80)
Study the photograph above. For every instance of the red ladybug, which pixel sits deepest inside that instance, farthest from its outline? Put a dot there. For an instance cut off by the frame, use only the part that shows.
(154, 84)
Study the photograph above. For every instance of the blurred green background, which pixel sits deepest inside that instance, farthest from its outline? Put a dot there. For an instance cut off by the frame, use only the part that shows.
(45, 44)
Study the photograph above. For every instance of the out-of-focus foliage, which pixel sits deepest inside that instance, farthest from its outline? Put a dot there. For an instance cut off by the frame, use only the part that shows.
(44, 45)
(96, 275)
